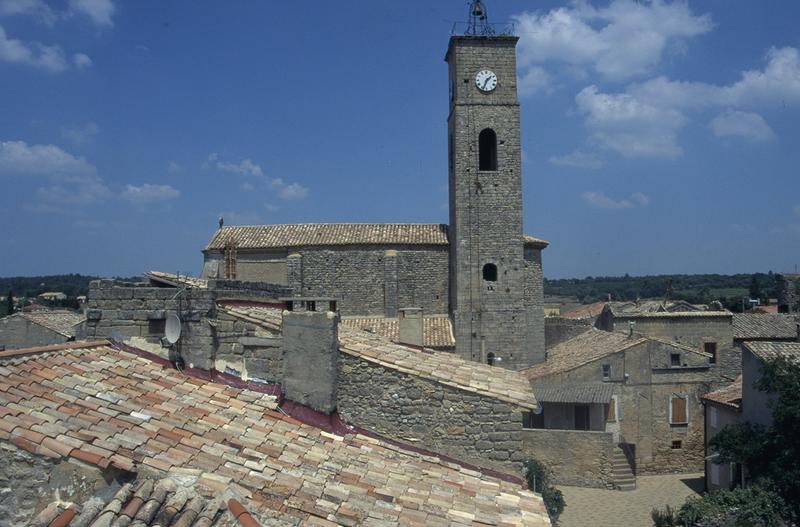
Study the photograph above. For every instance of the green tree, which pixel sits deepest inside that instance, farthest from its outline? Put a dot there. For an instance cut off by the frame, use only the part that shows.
(9, 307)
(755, 287)
(771, 454)
(539, 477)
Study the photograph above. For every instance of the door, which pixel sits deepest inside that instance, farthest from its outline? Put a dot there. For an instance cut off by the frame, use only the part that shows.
(581, 417)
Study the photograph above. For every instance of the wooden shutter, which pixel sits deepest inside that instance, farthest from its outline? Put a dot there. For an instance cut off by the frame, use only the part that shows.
(612, 411)
(678, 409)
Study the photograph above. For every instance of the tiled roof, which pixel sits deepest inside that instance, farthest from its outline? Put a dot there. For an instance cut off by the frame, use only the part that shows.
(443, 367)
(62, 322)
(730, 396)
(772, 350)
(437, 331)
(177, 280)
(659, 308)
(587, 347)
(764, 326)
(322, 234)
(105, 406)
(275, 236)
(586, 311)
(586, 393)
(170, 501)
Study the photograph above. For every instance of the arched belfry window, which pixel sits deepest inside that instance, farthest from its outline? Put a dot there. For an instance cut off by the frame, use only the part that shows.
(490, 272)
(487, 150)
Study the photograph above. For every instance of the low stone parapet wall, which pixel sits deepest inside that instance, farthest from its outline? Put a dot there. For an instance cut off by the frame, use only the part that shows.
(575, 457)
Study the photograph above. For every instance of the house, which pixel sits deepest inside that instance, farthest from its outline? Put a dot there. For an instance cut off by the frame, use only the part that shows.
(152, 445)
(53, 296)
(40, 328)
(755, 403)
(689, 325)
(638, 396)
(722, 407)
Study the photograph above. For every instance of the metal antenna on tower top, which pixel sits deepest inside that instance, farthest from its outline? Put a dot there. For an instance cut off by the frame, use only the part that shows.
(478, 19)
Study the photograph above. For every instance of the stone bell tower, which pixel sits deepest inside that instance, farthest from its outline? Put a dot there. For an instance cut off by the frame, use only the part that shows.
(486, 244)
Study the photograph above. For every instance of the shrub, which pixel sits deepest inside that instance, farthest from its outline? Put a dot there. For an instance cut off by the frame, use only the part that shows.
(664, 518)
(538, 477)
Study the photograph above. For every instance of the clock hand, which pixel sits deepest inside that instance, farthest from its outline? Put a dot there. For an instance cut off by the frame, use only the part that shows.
(486, 82)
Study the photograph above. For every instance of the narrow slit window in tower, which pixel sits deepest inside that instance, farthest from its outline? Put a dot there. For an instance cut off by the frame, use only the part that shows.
(490, 359)
(487, 149)
(490, 272)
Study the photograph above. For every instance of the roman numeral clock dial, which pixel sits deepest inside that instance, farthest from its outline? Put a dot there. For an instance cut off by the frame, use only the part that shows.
(486, 80)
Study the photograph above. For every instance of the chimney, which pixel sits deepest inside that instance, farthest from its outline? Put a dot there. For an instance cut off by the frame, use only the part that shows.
(411, 326)
(311, 357)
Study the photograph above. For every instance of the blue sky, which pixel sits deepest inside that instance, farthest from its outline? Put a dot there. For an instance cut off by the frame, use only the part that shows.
(658, 137)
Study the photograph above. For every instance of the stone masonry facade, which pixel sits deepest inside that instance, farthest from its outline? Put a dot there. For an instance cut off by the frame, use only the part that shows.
(436, 417)
(575, 457)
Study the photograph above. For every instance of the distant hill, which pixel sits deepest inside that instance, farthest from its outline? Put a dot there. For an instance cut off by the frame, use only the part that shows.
(31, 286)
(697, 289)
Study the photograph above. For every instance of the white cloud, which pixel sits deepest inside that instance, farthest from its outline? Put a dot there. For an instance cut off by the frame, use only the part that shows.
(246, 167)
(81, 135)
(578, 159)
(534, 80)
(174, 168)
(148, 193)
(50, 58)
(629, 126)
(620, 41)
(34, 8)
(746, 125)
(82, 61)
(99, 11)
(293, 191)
(600, 200)
(72, 180)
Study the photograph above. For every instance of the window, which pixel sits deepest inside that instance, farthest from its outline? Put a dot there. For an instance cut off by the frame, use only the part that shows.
(711, 349)
(679, 410)
(606, 372)
(677, 445)
(487, 150)
(675, 359)
(490, 272)
(611, 416)
(490, 359)
(533, 420)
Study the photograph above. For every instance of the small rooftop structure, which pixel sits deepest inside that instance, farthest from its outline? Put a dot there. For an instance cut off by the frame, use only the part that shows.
(437, 330)
(62, 322)
(176, 280)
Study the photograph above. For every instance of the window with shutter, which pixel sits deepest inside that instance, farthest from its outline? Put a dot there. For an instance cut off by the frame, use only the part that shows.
(678, 411)
(612, 411)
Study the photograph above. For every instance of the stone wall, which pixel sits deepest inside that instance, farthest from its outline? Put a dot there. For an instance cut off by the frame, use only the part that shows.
(311, 359)
(368, 281)
(535, 339)
(559, 329)
(17, 332)
(28, 483)
(466, 426)
(576, 458)
(247, 351)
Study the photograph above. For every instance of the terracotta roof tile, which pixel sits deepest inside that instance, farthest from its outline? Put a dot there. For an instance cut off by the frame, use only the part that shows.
(293, 471)
(774, 350)
(730, 396)
(437, 329)
(61, 321)
(177, 280)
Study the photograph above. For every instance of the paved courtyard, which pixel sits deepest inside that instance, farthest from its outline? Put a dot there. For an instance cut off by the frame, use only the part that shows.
(612, 508)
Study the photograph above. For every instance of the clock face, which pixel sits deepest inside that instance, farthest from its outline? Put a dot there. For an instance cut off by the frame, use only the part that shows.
(486, 80)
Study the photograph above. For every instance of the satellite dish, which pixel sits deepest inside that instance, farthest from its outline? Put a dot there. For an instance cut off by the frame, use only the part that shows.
(173, 329)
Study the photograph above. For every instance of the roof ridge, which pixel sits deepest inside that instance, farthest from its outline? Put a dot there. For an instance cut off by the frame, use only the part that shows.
(81, 344)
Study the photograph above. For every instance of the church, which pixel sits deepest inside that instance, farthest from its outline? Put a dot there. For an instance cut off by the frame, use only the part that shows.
(479, 271)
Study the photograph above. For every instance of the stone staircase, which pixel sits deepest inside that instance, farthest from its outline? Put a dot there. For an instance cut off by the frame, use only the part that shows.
(624, 479)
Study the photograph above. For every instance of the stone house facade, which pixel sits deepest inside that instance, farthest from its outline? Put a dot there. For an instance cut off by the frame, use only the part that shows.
(40, 328)
(640, 394)
(722, 407)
